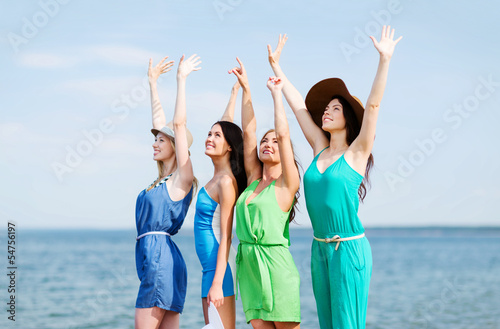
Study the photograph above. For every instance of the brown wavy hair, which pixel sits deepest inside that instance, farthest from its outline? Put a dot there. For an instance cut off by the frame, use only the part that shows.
(297, 165)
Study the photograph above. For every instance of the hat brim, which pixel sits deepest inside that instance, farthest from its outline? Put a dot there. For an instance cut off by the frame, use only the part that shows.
(321, 94)
(168, 131)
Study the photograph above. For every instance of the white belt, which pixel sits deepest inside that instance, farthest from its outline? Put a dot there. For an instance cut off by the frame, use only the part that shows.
(338, 239)
(152, 232)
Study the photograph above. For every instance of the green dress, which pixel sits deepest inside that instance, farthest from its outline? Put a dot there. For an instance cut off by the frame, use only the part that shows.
(267, 276)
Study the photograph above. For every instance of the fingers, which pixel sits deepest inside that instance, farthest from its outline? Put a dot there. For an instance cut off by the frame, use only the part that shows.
(164, 58)
(269, 50)
(398, 39)
(182, 59)
(241, 64)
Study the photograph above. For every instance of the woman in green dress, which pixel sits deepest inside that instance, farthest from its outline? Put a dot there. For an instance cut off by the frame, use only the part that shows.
(267, 276)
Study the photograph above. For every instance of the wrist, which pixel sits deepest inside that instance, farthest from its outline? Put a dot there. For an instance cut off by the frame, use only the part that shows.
(385, 58)
(216, 284)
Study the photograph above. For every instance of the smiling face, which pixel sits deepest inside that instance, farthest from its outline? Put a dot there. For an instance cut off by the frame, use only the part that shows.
(162, 147)
(333, 116)
(216, 144)
(268, 150)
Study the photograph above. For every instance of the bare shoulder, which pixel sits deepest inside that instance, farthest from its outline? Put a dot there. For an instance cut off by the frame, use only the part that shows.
(227, 185)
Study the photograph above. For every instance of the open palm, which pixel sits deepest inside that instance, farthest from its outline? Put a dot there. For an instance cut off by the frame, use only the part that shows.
(387, 43)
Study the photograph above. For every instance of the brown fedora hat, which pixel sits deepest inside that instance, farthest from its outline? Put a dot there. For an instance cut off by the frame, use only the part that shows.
(321, 94)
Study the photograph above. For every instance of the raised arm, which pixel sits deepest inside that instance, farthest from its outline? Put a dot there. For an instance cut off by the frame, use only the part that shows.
(229, 113)
(227, 199)
(364, 142)
(184, 167)
(313, 133)
(253, 167)
(290, 179)
(159, 120)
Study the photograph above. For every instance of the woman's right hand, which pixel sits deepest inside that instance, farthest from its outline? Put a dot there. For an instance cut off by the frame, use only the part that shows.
(241, 74)
(187, 66)
(274, 56)
(160, 68)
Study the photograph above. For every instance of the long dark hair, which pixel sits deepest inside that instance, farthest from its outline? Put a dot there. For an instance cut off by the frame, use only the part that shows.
(234, 137)
(353, 127)
(297, 164)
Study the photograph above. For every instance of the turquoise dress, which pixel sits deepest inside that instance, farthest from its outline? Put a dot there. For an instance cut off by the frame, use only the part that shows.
(341, 278)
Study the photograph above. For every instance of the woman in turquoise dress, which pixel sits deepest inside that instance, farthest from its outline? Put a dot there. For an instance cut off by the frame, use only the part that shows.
(161, 209)
(341, 133)
(268, 278)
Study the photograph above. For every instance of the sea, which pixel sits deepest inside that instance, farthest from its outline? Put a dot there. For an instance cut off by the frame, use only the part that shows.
(422, 278)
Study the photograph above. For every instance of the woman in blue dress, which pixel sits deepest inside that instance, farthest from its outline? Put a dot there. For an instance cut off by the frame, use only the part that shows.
(161, 208)
(213, 221)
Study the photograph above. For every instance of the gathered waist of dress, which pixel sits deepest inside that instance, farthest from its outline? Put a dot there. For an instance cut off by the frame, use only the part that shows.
(256, 243)
(152, 233)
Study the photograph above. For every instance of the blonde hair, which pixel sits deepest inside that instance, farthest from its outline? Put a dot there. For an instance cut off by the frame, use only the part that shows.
(160, 175)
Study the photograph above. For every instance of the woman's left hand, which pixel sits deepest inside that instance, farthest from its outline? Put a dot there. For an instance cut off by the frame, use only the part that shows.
(188, 65)
(387, 43)
(216, 296)
(275, 84)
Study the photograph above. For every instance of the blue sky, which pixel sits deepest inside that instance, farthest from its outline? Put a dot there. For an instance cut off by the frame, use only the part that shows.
(74, 94)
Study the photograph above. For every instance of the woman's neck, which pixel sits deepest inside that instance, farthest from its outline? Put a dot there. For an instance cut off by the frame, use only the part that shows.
(169, 167)
(221, 164)
(338, 141)
(271, 172)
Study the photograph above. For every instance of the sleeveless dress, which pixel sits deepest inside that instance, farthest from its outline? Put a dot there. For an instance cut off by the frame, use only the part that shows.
(341, 278)
(267, 276)
(207, 239)
(159, 262)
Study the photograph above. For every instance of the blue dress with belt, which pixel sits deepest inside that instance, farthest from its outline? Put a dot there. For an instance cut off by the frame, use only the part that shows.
(159, 262)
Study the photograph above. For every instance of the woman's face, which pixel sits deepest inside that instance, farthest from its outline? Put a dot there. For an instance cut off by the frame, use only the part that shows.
(216, 144)
(162, 147)
(333, 116)
(269, 150)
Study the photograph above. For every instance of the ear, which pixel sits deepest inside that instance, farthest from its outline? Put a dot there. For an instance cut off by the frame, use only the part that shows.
(229, 149)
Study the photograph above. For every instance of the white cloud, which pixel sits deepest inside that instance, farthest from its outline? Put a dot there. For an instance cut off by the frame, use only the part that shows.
(47, 60)
(70, 57)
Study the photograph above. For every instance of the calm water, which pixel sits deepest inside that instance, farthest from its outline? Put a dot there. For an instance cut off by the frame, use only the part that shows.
(422, 278)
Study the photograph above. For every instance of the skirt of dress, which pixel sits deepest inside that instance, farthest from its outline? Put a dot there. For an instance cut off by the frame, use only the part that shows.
(269, 283)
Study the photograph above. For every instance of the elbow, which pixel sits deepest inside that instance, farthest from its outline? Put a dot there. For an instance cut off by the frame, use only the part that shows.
(372, 107)
(283, 135)
(179, 123)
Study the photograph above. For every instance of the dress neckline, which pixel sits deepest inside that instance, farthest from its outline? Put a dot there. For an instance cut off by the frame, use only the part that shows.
(247, 203)
(317, 157)
(159, 183)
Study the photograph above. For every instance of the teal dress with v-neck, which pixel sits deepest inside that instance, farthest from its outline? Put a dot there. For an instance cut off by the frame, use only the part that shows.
(341, 277)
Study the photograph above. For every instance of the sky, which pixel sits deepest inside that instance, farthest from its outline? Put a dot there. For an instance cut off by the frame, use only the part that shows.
(75, 116)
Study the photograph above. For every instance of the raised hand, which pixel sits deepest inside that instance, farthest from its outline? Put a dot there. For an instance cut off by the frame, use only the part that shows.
(241, 74)
(275, 84)
(187, 66)
(387, 43)
(158, 69)
(274, 57)
(236, 87)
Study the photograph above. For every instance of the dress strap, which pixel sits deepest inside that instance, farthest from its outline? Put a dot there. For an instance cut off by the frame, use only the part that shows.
(160, 182)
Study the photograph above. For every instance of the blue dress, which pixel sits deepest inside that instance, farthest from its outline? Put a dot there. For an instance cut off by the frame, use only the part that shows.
(207, 239)
(159, 262)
